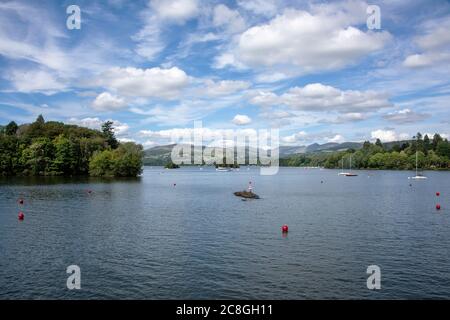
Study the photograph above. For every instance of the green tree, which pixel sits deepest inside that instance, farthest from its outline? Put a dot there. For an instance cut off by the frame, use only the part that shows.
(65, 161)
(37, 158)
(11, 128)
(108, 132)
(102, 164)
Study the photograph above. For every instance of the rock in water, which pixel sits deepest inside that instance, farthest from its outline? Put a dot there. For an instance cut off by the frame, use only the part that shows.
(246, 194)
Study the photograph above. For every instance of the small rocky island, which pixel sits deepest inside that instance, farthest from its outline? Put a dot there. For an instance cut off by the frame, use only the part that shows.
(171, 165)
(246, 194)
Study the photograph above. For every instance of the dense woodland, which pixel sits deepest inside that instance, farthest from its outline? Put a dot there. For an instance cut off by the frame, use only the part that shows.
(433, 154)
(54, 148)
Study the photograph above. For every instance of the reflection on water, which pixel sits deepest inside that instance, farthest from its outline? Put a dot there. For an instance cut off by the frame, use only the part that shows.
(183, 234)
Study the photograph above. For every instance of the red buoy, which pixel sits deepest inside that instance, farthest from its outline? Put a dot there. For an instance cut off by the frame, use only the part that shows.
(438, 194)
(438, 207)
(285, 228)
(21, 216)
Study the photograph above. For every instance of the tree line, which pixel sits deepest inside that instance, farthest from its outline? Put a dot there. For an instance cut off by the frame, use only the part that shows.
(53, 148)
(432, 154)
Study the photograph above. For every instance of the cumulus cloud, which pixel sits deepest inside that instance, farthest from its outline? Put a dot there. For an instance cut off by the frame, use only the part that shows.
(211, 137)
(406, 116)
(434, 45)
(337, 139)
(241, 120)
(322, 40)
(108, 102)
(224, 87)
(388, 135)
(153, 82)
(175, 10)
(347, 117)
(230, 20)
(120, 129)
(319, 97)
(294, 138)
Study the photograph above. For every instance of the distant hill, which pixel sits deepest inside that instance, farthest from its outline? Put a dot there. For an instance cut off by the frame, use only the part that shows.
(160, 155)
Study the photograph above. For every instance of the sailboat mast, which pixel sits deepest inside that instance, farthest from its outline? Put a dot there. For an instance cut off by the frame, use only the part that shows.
(417, 160)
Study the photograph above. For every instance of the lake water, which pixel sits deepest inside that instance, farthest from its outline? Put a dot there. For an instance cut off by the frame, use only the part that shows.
(147, 238)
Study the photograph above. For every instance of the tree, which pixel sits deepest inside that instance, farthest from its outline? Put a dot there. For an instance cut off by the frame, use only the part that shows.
(378, 143)
(11, 128)
(108, 132)
(426, 144)
(40, 119)
(65, 161)
(436, 139)
(37, 158)
(443, 149)
(125, 161)
(128, 159)
(101, 164)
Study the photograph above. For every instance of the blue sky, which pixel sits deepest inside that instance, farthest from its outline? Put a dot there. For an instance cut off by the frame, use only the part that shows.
(313, 69)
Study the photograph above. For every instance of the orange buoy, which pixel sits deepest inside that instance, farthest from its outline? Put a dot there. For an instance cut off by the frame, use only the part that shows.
(438, 194)
(285, 228)
(438, 207)
(21, 216)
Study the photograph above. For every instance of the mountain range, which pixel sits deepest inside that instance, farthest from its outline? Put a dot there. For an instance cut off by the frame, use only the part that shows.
(160, 155)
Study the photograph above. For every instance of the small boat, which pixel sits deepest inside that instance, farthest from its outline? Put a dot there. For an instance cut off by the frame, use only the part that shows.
(347, 174)
(223, 169)
(418, 176)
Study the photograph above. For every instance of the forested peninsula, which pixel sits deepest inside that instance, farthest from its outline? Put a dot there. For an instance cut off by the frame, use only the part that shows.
(56, 149)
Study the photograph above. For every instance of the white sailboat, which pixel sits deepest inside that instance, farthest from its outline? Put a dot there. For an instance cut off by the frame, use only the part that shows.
(342, 173)
(350, 174)
(417, 176)
(223, 169)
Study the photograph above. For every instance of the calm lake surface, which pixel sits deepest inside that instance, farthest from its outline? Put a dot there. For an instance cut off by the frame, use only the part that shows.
(148, 239)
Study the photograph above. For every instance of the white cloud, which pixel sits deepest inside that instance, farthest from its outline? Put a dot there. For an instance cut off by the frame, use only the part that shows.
(108, 102)
(120, 129)
(154, 82)
(35, 81)
(229, 19)
(212, 137)
(178, 11)
(337, 139)
(294, 138)
(241, 120)
(306, 41)
(224, 87)
(266, 8)
(349, 117)
(434, 44)
(318, 97)
(388, 135)
(426, 59)
(406, 116)
(150, 42)
(264, 98)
